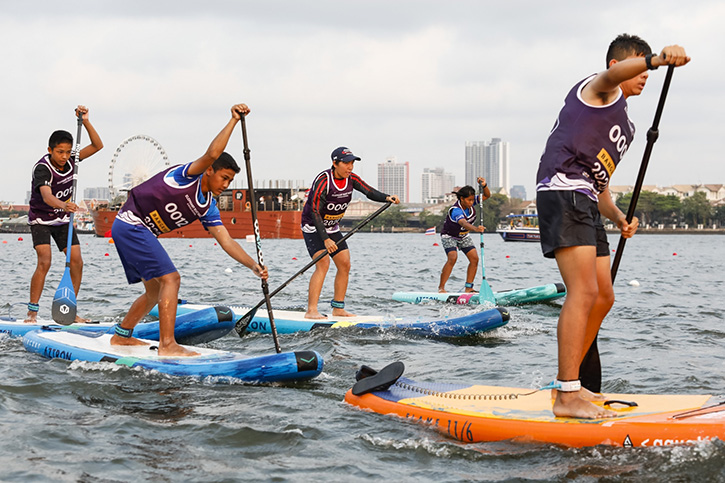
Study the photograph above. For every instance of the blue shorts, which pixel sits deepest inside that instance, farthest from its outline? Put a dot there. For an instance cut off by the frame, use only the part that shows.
(315, 244)
(569, 219)
(141, 253)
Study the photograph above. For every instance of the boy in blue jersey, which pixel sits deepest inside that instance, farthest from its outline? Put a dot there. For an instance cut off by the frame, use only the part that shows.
(169, 200)
(588, 140)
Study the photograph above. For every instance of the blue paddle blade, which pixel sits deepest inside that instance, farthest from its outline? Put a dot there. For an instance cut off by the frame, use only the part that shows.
(485, 294)
(64, 301)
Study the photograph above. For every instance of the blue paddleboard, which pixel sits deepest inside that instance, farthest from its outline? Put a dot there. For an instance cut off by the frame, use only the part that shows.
(80, 345)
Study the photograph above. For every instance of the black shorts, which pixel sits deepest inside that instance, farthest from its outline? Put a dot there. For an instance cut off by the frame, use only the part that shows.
(42, 234)
(570, 219)
(315, 244)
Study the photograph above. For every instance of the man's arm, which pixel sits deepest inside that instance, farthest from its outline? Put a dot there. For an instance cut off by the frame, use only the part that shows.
(96, 143)
(608, 209)
(219, 143)
(234, 250)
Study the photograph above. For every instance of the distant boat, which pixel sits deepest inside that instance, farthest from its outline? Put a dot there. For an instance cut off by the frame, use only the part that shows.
(520, 228)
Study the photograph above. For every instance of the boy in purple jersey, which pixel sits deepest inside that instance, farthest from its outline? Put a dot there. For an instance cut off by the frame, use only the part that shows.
(327, 201)
(589, 138)
(171, 199)
(454, 235)
(50, 202)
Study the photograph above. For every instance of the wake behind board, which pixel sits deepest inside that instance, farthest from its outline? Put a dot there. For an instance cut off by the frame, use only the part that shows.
(191, 328)
(290, 321)
(531, 295)
(81, 345)
(473, 413)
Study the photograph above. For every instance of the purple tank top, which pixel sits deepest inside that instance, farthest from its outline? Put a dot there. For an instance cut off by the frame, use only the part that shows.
(169, 200)
(61, 185)
(585, 145)
(451, 227)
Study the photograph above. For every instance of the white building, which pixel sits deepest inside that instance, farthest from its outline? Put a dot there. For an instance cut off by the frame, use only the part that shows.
(394, 179)
(490, 160)
(436, 183)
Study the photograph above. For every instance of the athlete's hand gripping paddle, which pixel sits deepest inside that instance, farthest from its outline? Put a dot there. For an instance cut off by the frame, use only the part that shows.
(590, 371)
(64, 302)
(257, 236)
(485, 294)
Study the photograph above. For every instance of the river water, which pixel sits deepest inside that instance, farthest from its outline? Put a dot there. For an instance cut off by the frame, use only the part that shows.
(98, 422)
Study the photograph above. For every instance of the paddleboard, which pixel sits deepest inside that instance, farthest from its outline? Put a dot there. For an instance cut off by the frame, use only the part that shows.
(290, 321)
(193, 327)
(82, 345)
(541, 293)
(475, 413)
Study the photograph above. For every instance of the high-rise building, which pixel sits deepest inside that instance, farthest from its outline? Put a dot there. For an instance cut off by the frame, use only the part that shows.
(100, 193)
(394, 179)
(490, 160)
(518, 191)
(435, 183)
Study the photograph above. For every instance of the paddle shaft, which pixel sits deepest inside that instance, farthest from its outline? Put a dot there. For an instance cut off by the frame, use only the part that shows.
(246, 318)
(590, 370)
(257, 236)
(76, 161)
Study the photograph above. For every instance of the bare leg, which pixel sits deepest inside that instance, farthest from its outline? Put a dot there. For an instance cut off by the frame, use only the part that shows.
(342, 262)
(578, 267)
(37, 281)
(472, 268)
(317, 280)
(76, 275)
(168, 300)
(451, 259)
(140, 307)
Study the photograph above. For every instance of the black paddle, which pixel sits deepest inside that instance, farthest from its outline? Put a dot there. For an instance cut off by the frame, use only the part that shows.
(243, 322)
(258, 238)
(590, 371)
(64, 306)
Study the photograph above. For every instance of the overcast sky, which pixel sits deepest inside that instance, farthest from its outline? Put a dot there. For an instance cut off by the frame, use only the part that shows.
(411, 79)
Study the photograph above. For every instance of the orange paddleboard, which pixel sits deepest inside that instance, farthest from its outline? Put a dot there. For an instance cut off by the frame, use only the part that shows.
(474, 413)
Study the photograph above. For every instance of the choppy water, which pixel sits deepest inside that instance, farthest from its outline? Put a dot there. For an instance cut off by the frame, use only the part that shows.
(97, 422)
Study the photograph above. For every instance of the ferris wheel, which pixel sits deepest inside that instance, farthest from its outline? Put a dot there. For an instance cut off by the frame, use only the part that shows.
(136, 159)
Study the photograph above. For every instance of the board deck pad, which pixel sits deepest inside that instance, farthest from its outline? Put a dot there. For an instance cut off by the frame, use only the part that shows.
(477, 413)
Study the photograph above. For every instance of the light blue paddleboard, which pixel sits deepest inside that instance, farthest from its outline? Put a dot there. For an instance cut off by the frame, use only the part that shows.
(80, 345)
(540, 293)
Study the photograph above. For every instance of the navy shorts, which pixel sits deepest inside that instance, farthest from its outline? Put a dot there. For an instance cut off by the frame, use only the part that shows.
(141, 253)
(43, 233)
(570, 219)
(315, 244)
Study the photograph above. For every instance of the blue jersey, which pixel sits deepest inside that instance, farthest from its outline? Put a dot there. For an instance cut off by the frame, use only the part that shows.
(585, 145)
(456, 213)
(169, 200)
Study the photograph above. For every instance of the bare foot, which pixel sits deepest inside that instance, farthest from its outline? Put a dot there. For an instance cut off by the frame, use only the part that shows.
(175, 350)
(117, 340)
(341, 313)
(31, 318)
(81, 320)
(570, 405)
(470, 290)
(588, 395)
(441, 290)
(314, 315)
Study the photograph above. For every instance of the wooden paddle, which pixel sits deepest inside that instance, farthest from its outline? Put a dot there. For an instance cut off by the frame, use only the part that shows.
(485, 294)
(64, 306)
(257, 236)
(590, 371)
(243, 322)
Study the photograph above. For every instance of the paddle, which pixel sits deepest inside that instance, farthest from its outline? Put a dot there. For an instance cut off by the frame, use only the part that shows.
(244, 321)
(64, 302)
(257, 237)
(485, 294)
(590, 371)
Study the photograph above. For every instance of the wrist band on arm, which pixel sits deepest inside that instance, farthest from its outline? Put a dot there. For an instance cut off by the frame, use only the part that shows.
(648, 61)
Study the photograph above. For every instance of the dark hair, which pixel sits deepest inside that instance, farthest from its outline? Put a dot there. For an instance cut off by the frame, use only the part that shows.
(59, 137)
(625, 45)
(225, 161)
(465, 192)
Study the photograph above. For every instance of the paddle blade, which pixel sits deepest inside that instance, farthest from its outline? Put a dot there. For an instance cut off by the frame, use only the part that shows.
(241, 326)
(64, 301)
(485, 295)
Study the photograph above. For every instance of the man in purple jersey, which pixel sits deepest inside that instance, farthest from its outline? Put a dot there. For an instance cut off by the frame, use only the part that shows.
(51, 192)
(329, 196)
(169, 200)
(589, 138)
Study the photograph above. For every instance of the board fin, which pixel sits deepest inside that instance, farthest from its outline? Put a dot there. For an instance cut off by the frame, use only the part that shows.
(370, 380)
